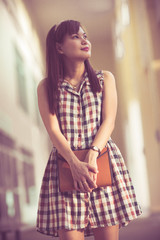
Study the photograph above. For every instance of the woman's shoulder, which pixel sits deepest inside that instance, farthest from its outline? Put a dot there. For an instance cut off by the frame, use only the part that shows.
(105, 75)
(41, 84)
(109, 81)
(42, 88)
(108, 77)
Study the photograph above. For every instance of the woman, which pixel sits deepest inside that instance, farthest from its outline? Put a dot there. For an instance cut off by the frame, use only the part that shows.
(78, 107)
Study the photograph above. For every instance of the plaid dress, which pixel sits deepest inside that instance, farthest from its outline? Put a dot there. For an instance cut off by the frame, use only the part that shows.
(80, 118)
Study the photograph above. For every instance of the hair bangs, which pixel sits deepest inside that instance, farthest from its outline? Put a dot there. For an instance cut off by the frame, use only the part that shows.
(67, 27)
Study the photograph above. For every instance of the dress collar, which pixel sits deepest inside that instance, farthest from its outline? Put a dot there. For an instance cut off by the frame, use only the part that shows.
(64, 83)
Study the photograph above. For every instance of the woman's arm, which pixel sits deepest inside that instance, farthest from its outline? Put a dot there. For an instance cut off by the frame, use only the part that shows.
(52, 126)
(109, 111)
(80, 171)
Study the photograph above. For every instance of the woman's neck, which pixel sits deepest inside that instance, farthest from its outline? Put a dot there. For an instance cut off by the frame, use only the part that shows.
(74, 71)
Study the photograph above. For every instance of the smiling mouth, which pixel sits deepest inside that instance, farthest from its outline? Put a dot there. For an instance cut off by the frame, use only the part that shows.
(85, 49)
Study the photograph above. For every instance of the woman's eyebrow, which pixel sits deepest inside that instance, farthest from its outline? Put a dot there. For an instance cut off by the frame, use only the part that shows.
(82, 33)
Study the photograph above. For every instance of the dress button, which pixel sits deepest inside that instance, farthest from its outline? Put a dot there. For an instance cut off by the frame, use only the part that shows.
(79, 135)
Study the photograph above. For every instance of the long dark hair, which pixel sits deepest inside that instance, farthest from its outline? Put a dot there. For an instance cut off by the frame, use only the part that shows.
(54, 62)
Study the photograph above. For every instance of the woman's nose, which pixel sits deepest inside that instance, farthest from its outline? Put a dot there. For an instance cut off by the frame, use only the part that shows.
(84, 41)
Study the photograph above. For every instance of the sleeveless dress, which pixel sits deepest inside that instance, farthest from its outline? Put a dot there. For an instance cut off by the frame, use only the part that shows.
(79, 114)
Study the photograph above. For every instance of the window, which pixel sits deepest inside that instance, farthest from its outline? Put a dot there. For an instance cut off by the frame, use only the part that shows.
(9, 197)
(28, 175)
(21, 81)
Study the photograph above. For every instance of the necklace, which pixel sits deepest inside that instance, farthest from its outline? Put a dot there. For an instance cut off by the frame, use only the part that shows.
(77, 85)
(74, 87)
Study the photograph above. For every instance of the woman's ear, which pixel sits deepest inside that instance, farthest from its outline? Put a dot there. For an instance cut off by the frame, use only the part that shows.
(59, 48)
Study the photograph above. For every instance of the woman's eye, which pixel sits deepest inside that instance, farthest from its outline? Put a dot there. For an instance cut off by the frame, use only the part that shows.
(75, 36)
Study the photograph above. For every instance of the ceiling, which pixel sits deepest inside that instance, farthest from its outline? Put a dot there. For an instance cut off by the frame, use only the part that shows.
(95, 15)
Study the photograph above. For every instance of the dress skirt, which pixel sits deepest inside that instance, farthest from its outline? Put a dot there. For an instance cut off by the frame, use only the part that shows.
(104, 206)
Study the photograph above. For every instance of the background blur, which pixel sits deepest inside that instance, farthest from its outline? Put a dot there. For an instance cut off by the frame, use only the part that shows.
(125, 37)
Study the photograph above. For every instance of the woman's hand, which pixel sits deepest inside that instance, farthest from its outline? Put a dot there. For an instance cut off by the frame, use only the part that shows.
(81, 171)
(91, 158)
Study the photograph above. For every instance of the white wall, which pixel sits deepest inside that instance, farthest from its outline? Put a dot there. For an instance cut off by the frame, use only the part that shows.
(16, 30)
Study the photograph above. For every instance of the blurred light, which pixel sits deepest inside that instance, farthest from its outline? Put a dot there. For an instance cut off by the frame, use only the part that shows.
(135, 152)
(119, 48)
(24, 21)
(118, 29)
(121, 23)
(125, 17)
(10, 203)
(155, 64)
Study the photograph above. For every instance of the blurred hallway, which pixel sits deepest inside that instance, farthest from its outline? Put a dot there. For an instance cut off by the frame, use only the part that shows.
(125, 39)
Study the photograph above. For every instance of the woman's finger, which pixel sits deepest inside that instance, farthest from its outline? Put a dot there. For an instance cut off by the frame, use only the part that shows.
(86, 186)
(92, 169)
(81, 187)
(76, 186)
(91, 183)
(95, 177)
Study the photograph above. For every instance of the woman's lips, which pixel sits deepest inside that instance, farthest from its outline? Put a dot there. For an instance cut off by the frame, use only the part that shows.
(85, 49)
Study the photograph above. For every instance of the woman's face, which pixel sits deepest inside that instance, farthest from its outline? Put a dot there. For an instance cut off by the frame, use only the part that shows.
(75, 46)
